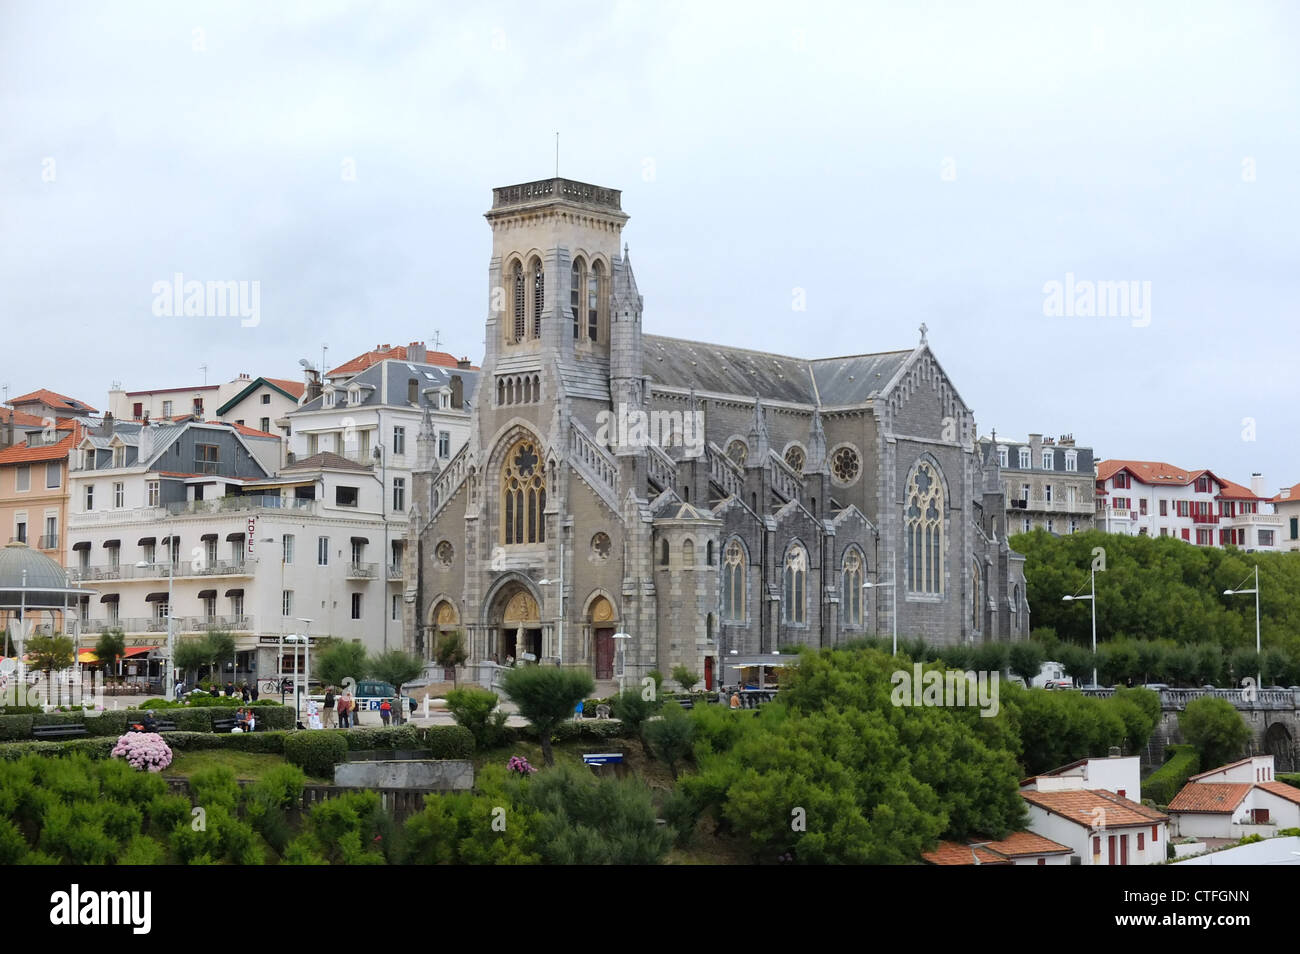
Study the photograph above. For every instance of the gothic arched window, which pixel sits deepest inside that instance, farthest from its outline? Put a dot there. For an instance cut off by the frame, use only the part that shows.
(539, 297)
(852, 598)
(976, 615)
(923, 530)
(577, 283)
(595, 302)
(523, 495)
(688, 553)
(794, 591)
(517, 295)
(733, 581)
(663, 554)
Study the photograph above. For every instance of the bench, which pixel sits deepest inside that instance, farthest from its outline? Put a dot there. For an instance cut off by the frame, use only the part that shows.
(59, 731)
(686, 703)
(224, 725)
(160, 725)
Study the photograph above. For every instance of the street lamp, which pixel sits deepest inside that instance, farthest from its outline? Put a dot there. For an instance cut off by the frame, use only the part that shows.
(559, 636)
(170, 681)
(1091, 598)
(298, 692)
(622, 657)
(1259, 678)
(893, 597)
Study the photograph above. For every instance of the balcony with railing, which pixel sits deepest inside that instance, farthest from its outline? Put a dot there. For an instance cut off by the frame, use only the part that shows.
(162, 571)
(395, 571)
(182, 625)
(49, 541)
(1205, 518)
(362, 571)
(242, 502)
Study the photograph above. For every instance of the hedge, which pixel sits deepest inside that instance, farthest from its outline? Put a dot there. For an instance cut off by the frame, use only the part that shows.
(571, 731)
(271, 743)
(444, 741)
(316, 752)
(114, 722)
(1165, 782)
(1291, 778)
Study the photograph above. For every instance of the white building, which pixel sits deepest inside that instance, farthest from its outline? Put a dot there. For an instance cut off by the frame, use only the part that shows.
(1093, 806)
(1236, 800)
(187, 521)
(1287, 506)
(1162, 500)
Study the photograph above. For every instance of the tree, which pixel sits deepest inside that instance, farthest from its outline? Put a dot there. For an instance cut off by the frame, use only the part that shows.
(476, 709)
(340, 661)
(686, 677)
(1216, 728)
(220, 646)
(634, 707)
(546, 697)
(672, 736)
(110, 647)
(396, 667)
(449, 651)
(1077, 662)
(191, 653)
(50, 652)
(1026, 660)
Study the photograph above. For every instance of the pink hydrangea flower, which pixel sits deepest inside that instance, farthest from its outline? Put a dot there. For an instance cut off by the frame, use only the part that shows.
(143, 750)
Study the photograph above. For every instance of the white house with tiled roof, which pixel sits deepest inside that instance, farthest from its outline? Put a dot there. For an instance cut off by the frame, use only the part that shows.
(1287, 506)
(1018, 848)
(1236, 800)
(1158, 499)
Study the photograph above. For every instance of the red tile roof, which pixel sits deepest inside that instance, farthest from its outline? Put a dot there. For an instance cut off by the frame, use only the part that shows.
(53, 399)
(1146, 471)
(1021, 843)
(1219, 768)
(1234, 491)
(22, 454)
(252, 431)
(1210, 797)
(1288, 495)
(296, 388)
(1281, 790)
(955, 853)
(386, 353)
(20, 418)
(1086, 806)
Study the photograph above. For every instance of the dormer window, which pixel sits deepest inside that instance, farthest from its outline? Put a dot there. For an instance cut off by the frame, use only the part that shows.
(1049, 462)
(327, 399)
(1024, 458)
(412, 391)
(119, 456)
(354, 395)
(444, 399)
(1003, 457)
(1072, 460)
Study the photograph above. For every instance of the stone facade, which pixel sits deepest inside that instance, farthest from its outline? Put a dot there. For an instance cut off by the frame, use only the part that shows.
(703, 499)
(1049, 483)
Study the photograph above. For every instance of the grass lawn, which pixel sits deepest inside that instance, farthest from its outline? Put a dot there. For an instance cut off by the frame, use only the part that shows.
(243, 764)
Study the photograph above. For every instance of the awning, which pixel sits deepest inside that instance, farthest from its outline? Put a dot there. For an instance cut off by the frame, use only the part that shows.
(361, 540)
(83, 545)
(137, 651)
(208, 536)
(207, 594)
(87, 656)
(110, 597)
(235, 592)
(169, 538)
(232, 537)
(144, 542)
(113, 544)
(156, 597)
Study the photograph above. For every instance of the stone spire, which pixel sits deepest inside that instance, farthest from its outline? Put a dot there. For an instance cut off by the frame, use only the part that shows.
(758, 441)
(426, 444)
(816, 462)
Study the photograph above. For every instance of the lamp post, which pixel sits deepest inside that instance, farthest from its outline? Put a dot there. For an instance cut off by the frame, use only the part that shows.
(893, 597)
(559, 636)
(1091, 598)
(170, 679)
(300, 691)
(622, 656)
(1259, 676)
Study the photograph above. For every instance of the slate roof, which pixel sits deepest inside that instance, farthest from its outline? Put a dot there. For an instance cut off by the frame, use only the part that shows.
(675, 362)
(399, 372)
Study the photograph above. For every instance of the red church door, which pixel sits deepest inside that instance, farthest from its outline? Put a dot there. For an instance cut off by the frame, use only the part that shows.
(605, 653)
(708, 672)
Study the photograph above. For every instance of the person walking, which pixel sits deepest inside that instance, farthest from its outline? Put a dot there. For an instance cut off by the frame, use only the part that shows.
(346, 715)
(329, 707)
(253, 691)
(385, 711)
(244, 694)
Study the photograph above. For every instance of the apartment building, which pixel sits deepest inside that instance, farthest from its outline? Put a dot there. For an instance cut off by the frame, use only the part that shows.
(1049, 482)
(260, 403)
(1287, 506)
(1159, 499)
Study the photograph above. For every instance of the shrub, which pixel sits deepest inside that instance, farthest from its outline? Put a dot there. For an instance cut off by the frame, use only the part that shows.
(143, 850)
(1216, 728)
(15, 727)
(316, 753)
(213, 786)
(671, 737)
(449, 742)
(546, 697)
(110, 722)
(633, 709)
(685, 677)
(476, 710)
(1165, 782)
(143, 750)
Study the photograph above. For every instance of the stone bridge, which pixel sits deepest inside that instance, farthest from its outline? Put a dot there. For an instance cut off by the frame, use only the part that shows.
(1273, 716)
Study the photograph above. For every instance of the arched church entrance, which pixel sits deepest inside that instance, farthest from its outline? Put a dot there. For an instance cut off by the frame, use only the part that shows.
(518, 627)
(602, 618)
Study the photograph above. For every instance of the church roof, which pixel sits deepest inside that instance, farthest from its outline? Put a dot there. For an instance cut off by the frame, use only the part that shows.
(674, 362)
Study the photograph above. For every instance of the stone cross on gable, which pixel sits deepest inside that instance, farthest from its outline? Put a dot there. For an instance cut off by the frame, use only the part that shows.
(924, 329)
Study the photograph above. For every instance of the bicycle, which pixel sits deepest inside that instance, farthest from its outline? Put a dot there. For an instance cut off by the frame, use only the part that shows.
(269, 686)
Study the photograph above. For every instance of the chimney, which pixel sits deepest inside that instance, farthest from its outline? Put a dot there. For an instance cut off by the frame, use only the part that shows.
(106, 425)
(463, 364)
(1257, 485)
(416, 353)
(1035, 450)
(457, 391)
(312, 379)
(1067, 440)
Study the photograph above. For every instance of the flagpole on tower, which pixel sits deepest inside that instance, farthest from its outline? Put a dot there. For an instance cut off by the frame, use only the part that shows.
(557, 154)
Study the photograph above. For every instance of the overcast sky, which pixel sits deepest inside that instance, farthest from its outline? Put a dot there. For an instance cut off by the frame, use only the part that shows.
(898, 162)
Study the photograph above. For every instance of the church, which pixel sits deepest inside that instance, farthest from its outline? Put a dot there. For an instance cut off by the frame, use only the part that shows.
(699, 500)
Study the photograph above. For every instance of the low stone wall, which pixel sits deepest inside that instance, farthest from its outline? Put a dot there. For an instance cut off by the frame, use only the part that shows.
(451, 775)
